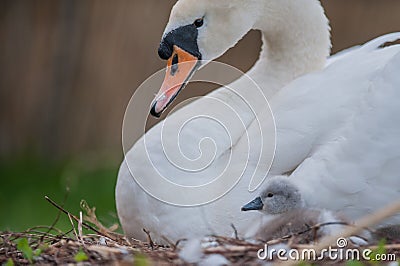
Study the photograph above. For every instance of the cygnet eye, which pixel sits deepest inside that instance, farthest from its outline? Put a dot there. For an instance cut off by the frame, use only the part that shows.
(270, 195)
(199, 22)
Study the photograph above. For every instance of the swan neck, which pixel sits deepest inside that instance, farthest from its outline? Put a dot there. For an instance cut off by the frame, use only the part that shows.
(296, 40)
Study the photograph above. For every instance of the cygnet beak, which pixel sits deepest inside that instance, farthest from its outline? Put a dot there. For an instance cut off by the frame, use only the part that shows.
(255, 204)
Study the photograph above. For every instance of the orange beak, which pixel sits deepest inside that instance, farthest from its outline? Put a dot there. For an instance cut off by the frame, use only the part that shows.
(180, 67)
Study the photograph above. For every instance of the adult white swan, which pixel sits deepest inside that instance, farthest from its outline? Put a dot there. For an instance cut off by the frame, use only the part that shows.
(344, 115)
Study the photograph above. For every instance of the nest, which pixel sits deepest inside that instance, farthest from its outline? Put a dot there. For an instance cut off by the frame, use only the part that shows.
(48, 245)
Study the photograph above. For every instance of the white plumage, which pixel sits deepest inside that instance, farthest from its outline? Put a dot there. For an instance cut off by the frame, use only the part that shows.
(348, 133)
(337, 129)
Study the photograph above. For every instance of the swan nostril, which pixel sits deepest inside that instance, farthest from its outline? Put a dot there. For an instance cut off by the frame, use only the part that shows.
(174, 67)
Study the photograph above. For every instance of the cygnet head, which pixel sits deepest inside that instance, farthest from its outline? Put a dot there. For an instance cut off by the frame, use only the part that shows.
(279, 196)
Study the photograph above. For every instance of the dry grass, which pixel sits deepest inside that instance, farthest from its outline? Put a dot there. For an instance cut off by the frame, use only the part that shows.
(108, 247)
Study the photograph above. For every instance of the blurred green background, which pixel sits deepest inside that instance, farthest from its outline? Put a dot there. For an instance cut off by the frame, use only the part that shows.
(67, 71)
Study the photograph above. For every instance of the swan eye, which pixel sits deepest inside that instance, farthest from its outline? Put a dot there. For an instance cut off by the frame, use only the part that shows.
(270, 195)
(198, 22)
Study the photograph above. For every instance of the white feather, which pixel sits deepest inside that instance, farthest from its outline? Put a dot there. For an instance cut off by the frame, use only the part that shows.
(337, 129)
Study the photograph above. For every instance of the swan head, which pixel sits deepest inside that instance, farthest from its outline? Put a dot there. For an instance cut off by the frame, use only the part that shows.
(295, 36)
(279, 196)
(199, 31)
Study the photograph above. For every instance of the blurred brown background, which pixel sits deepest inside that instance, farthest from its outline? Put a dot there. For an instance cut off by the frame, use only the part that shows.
(67, 71)
(69, 67)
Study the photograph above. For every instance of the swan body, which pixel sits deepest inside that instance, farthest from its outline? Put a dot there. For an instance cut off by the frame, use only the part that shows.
(347, 150)
(335, 127)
